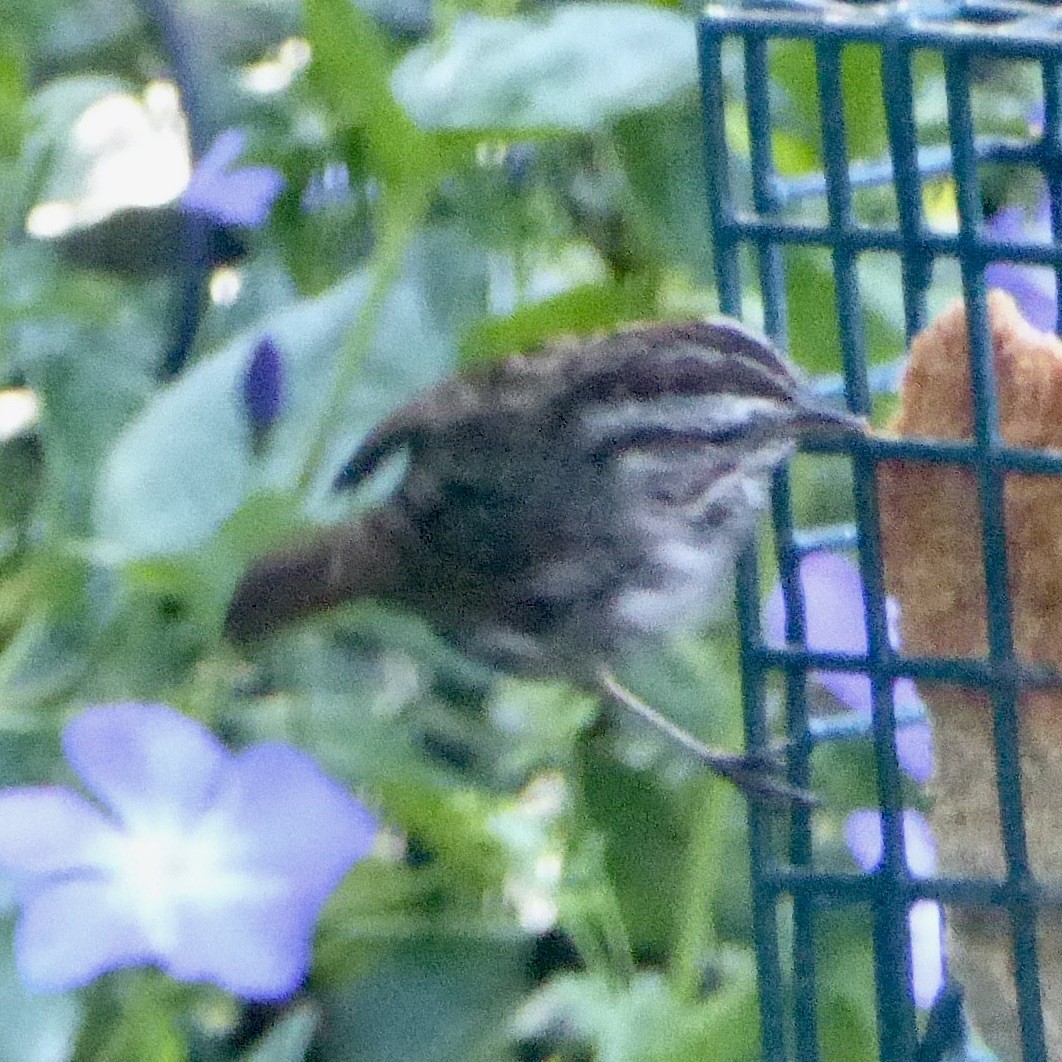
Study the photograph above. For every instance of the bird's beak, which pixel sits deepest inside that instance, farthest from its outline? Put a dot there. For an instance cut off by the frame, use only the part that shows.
(818, 422)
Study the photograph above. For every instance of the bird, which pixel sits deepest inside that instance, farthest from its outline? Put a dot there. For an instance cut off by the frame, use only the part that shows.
(562, 507)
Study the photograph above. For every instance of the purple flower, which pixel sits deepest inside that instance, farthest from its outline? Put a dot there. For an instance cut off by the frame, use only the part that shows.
(243, 195)
(1033, 287)
(863, 835)
(210, 864)
(263, 386)
(833, 601)
(327, 187)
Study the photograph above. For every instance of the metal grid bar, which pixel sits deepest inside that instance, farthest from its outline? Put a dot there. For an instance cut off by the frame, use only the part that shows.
(805, 1021)
(956, 32)
(1018, 29)
(892, 954)
(937, 244)
(727, 241)
(1003, 694)
(833, 889)
(1052, 150)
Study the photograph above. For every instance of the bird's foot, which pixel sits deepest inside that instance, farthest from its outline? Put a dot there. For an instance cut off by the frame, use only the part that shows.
(758, 774)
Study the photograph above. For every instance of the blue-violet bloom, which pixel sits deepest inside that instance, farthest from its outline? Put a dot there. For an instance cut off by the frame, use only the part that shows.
(230, 194)
(832, 589)
(263, 386)
(327, 187)
(1033, 287)
(210, 864)
(864, 838)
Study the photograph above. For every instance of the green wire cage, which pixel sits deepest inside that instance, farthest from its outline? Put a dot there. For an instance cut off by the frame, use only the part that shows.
(758, 218)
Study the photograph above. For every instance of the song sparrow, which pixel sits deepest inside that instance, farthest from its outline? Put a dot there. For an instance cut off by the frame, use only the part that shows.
(560, 507)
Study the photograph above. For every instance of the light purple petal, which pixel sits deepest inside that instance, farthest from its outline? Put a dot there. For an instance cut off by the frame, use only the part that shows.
(833, 606)
(258, 948)
(863, 836)
(294, 819)
(833, 600)
(918, 844)
(220, 871)
(50, 830)
(833, 596)
(244, 197)
(1036, 117)
(927, 956)
(914, 748)
(892, 621)
(1033, 288)
(241, 196)
(294, 833)
(73, 931)
(146, 761)
(1013, 224)
(224, 152)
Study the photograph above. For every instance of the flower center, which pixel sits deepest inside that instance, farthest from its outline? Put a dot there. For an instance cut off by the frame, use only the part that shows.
(163, 868)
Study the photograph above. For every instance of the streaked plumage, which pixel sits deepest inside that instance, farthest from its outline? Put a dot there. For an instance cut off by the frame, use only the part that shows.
(559, 507)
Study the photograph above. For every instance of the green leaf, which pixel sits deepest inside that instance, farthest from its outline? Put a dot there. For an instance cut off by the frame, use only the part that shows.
(798, 138)
(185, 465)
(864, 101)
(645, 1022)
(289, 1040)
(134, 1015)
(351, 68)
(662, 157)
(434, 1000)
(847, 1022)
(453, 825)
(39, 664)
(814, 337)
(846, 1030)
(12, 87)
(579, 67)
(646, 836)
(93, 378)
(581, 310)
(693, 685)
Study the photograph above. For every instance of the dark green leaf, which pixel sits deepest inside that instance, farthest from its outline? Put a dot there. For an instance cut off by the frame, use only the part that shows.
(435, 1000)
(289, 1040)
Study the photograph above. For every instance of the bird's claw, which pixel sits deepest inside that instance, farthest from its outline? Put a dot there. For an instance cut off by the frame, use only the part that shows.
(761, 775)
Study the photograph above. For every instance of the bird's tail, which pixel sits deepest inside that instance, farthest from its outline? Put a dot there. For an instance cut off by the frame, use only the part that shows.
(345, 564)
